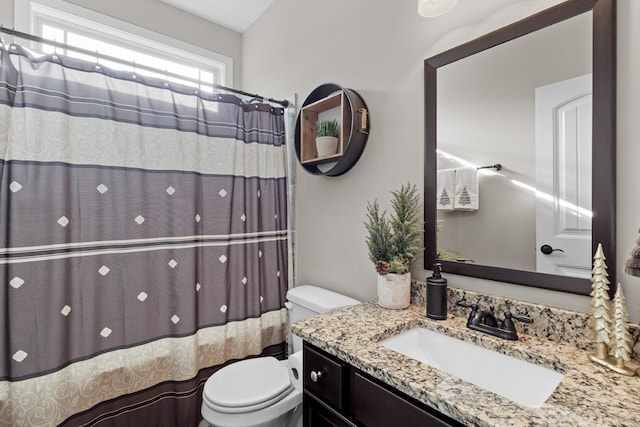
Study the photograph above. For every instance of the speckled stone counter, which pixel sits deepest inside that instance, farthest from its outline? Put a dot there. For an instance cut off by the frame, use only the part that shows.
(589, 395)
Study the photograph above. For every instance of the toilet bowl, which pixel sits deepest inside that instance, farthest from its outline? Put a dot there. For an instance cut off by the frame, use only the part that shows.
(250, 393)
(265, 391)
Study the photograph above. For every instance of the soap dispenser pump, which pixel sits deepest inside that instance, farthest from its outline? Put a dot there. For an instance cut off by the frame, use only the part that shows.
(437, 294)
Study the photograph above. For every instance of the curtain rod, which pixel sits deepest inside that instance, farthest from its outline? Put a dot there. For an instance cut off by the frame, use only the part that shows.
(38, 39)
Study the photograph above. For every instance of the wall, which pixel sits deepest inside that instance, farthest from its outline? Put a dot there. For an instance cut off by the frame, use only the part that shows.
(161, 18)
(6, 18)
(379, 51)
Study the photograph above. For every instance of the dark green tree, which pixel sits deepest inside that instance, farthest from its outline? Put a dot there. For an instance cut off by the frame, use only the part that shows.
(394, 243)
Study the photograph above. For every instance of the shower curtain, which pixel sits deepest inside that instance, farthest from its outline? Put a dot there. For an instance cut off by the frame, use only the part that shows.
(143, 242)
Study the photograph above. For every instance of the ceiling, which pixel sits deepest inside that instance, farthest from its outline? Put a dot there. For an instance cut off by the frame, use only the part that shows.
(237, 15)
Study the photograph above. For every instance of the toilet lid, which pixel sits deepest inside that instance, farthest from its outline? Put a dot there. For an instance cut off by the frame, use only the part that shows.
(248, 383)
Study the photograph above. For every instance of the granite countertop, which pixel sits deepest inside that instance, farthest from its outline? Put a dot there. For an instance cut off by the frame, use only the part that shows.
(588, 395)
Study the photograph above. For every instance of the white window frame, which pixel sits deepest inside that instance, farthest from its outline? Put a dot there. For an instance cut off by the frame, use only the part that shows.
(30, 14)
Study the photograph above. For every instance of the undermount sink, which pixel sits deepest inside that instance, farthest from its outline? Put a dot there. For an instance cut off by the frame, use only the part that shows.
(525, 383)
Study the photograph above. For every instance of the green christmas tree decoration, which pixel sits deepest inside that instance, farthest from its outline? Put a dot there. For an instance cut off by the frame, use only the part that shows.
(394, 242)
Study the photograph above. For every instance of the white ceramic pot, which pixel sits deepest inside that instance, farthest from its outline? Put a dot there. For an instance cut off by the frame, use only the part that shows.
(326, 145)
(394, 290)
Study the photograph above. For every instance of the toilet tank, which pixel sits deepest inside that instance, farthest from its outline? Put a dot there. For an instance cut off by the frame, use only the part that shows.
(307, 300)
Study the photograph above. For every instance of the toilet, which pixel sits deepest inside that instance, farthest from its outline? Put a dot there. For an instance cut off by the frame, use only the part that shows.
(265, 391)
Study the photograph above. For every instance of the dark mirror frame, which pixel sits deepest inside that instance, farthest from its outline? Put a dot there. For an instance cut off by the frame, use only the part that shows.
(603, 140)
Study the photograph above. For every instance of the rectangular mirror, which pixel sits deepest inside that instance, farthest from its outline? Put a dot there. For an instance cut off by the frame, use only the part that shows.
(538, 98)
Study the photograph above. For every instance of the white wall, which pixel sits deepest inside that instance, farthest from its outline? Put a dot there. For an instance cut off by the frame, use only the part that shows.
(378, 48)
(6, 14)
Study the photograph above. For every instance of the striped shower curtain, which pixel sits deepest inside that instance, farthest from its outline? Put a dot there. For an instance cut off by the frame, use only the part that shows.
(143, 242)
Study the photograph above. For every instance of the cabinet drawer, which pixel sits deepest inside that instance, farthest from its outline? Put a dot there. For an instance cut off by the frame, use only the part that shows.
(319, 414)
(324, 375)
(375, 406)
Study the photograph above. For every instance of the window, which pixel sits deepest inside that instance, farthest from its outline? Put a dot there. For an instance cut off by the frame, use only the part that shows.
(79, 27)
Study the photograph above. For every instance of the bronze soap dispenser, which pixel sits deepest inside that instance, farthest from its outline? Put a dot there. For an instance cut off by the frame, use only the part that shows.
(437, 294)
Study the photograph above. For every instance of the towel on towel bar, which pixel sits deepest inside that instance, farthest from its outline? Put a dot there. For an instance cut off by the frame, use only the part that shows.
(446, 189)
(466, 189)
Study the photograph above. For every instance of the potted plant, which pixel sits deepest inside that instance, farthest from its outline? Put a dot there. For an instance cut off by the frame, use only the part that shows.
(327, 133)
(393, 244)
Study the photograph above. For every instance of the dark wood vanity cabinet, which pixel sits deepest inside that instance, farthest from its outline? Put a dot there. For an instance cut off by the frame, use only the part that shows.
(337, 394)
(319, 414)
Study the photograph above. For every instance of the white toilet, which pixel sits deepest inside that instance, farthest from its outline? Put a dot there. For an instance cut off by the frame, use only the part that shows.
(264, 391)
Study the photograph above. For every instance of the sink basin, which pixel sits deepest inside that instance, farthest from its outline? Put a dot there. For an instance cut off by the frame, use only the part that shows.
(525, 383)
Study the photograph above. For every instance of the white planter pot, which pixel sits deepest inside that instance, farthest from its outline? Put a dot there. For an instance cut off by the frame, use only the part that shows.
(394, 291)
(326, 145)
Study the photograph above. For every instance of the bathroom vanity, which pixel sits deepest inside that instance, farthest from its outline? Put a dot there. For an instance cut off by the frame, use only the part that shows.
(338, 394)
(360, 382)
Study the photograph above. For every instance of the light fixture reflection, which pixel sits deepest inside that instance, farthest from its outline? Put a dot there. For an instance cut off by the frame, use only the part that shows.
(575, 209)
(432, 8)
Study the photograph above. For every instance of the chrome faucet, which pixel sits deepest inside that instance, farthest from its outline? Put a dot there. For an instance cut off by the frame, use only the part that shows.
(486, 321)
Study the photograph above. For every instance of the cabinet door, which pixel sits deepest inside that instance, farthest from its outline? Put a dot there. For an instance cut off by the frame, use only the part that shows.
(318, 414)
(324, 375)
(375, 406)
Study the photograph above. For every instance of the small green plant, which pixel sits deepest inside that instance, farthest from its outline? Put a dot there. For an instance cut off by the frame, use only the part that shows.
(327, 128)
(394, 243)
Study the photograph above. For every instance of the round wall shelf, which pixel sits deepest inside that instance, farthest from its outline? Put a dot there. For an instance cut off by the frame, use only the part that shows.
(351, 112)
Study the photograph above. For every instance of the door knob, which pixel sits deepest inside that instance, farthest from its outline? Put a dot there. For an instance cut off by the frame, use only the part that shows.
(547, 249)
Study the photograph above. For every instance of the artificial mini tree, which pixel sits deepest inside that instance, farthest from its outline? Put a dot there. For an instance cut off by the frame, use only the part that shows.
(600, 319)
(394, 242)
(621, 342)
